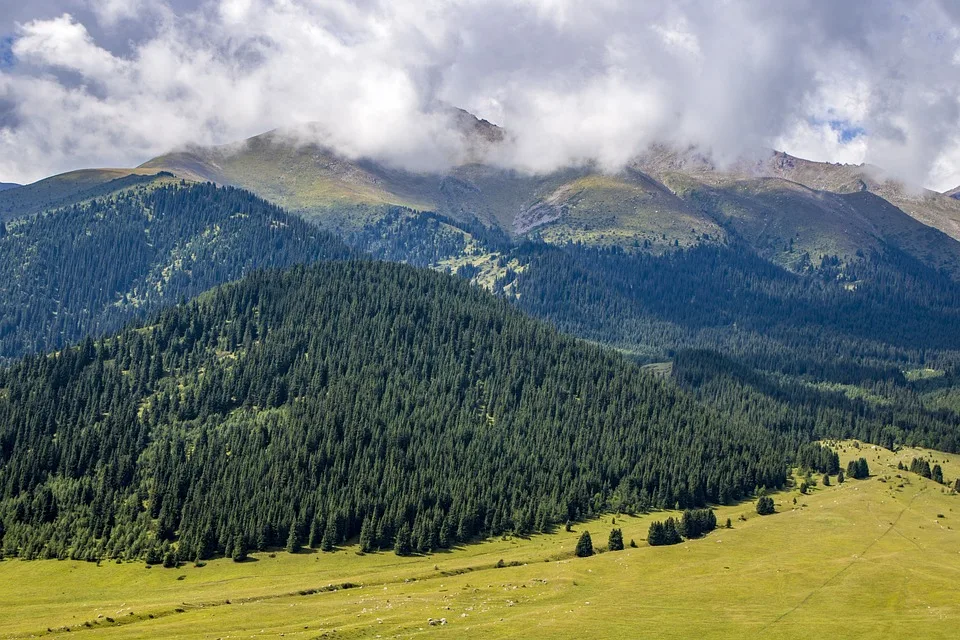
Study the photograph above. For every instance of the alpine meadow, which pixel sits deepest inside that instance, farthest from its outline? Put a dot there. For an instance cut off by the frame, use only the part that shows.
(479, 319)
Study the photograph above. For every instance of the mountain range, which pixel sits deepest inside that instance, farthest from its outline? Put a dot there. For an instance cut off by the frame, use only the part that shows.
(228, 322)
(792, 211)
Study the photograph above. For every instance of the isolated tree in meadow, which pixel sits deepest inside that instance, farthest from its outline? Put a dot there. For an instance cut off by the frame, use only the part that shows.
(956, 485)
(765, 506)
(615, 542)
(826, 480)
(585, 545)
(858, 469)
(840, 477)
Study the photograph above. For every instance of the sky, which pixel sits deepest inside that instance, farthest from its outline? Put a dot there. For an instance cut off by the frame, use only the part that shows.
(93, 83)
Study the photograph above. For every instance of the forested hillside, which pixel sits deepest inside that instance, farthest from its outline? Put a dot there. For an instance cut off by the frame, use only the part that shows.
(886, 310)
(348, 398)
(824, 352)
(90, 267)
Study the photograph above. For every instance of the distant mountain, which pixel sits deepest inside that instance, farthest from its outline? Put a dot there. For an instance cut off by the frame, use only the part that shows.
(73, 187)
(90, 267)
(4, 186)
(788, 209)
(791, 211)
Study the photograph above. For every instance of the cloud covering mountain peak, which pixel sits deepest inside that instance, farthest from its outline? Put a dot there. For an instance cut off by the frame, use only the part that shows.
(115, 82)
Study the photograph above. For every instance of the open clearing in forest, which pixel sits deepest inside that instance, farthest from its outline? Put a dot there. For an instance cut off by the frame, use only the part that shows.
(875, 558)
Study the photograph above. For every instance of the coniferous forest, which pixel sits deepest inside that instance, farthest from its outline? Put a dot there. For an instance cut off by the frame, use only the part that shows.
(350, 398)
(410, 410)
(89, 268)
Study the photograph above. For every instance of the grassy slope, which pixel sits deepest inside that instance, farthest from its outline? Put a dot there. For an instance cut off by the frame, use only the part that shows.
(866, 559)
(573, 204)
(304, 179)
(762, 201)
(70, 188)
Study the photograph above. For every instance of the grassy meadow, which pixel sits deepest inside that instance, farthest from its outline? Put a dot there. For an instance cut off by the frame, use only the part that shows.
(874, 558)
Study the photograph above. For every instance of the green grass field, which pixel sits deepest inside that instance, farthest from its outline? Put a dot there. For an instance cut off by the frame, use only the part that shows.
(875, 558)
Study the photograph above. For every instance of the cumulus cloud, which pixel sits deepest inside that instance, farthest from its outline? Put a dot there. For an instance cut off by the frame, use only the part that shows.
(114, 82)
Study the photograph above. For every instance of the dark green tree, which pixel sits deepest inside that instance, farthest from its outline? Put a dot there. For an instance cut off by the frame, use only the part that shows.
(293, 539)
(402, 545)
(765, 506)
(615, 541)
(937, 474)
(239, 549)
(584, 545)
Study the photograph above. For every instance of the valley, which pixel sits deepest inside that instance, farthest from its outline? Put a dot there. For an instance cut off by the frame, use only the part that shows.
(365, 319)
(871, 558)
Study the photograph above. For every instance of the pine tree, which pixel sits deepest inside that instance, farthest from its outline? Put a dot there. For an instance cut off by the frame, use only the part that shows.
(937, 474)
(671, 531)
(239, 549)
(329, 540)
(765, 506)
(826, 480)
(585, 545)
(655, 535)
(615, 542)
(840, 477)
(366, 535)
(402, 545)
(293, 539)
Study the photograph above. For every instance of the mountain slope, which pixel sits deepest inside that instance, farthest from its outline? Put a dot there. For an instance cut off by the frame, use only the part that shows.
(927, 207)
(791, 210)
(70, 188)
(346, 398)
(5, 186)
(89, 268)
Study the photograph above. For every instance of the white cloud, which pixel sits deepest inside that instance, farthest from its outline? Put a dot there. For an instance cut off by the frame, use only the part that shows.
(574, 81)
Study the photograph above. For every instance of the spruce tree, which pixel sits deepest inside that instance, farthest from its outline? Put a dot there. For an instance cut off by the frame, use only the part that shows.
(239, 549)
(402, 545)
(615, 542)
(765, 506)
(293, 539)
(366, 535)
(655, 535)
(937, 474)
(585, 545)
(329, 540)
